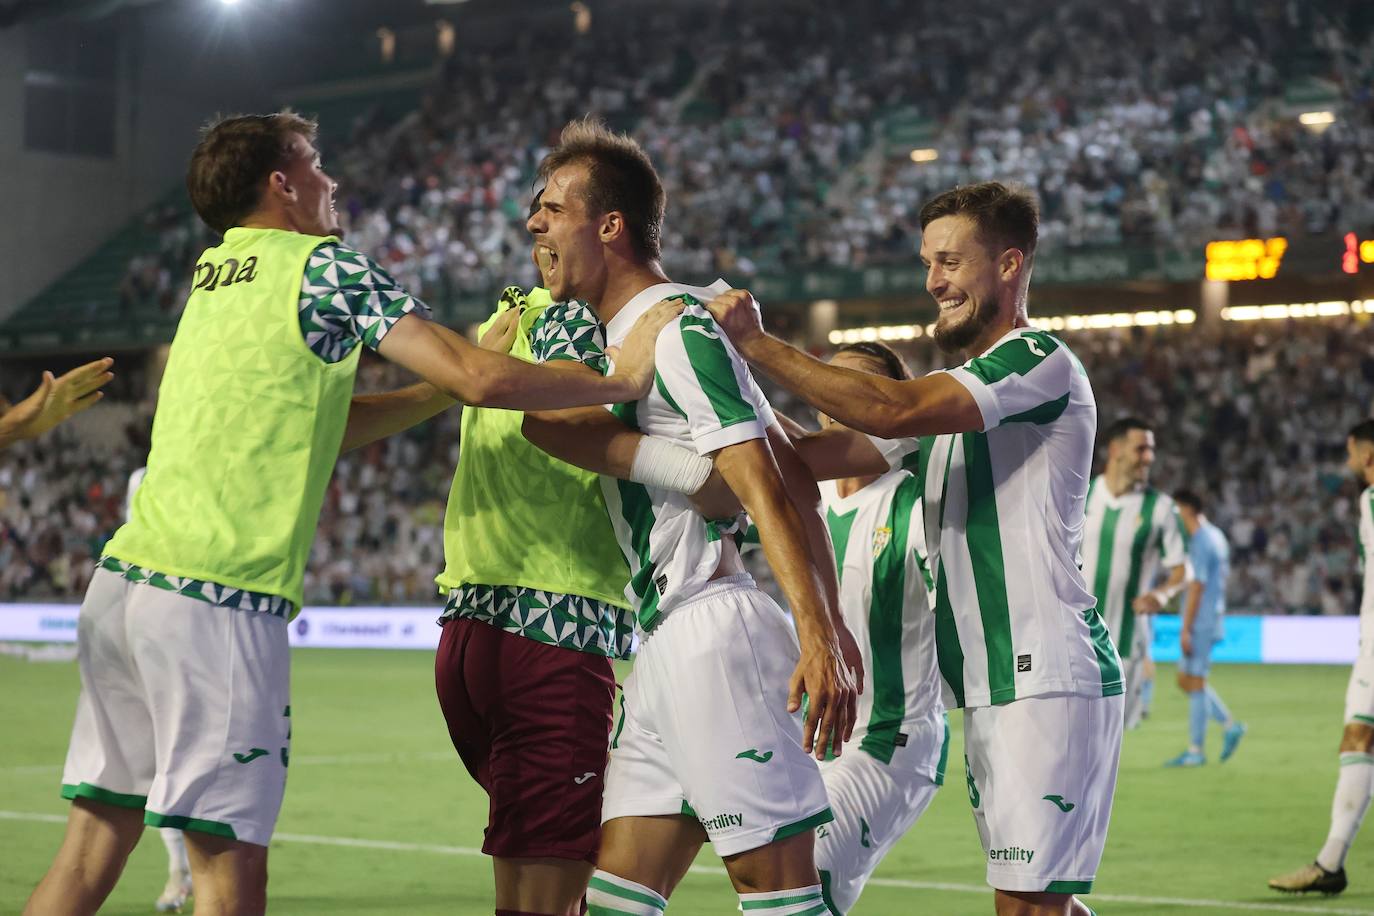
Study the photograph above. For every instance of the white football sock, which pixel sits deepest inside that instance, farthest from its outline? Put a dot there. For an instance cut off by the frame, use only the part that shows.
(611, 894)
(798, 901)
(1354, 787)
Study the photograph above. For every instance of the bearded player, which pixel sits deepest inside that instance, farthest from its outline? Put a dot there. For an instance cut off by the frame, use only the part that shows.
(1006, 465)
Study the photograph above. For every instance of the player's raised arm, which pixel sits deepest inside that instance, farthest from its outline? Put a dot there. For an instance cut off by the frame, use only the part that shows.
(488, 379)
(869, 403)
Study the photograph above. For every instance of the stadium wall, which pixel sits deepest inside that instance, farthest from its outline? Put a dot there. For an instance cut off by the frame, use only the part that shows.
(1248, 639)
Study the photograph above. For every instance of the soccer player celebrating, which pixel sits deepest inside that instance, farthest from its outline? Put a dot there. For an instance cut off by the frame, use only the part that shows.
(1020, 643)
(898, 751)
(1131, 529)
(54, 400)
(1201, 630)
(706, 744)
(184, 714)
(1355, 779)
(535, 612)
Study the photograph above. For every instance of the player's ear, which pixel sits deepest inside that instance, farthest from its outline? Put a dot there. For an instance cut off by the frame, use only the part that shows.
(279, 186)
(612, 227)
(1009, 266)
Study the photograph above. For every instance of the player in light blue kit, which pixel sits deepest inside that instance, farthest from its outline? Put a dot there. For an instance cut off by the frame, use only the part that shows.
(1203, 611)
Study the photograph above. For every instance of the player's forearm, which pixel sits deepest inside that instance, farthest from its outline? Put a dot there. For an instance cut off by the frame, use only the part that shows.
(497, 380)
(800, 486)
(752, 473)
(590, 438)
(1178, 578)
(840, 452)
(874, 404)
(377, 416)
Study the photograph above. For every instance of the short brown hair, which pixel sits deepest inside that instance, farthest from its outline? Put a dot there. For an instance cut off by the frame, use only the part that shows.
(619, 177)
(233, 157)
(894, 366)
(1005, 217)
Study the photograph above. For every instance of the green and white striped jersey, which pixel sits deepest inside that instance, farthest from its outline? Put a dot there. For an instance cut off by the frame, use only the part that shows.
(704, 398)
(885, 596)
(1004, 522)
(1366, 546)
(1125, 540)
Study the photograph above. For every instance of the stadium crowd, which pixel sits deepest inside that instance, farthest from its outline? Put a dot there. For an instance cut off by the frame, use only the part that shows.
(1268, 454)
(771, 133)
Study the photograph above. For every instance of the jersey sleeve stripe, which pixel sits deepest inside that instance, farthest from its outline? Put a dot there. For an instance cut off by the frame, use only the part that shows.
(714, 370)
(1017, 356)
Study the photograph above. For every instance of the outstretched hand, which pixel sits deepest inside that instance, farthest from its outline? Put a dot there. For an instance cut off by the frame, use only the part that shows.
(55, 400)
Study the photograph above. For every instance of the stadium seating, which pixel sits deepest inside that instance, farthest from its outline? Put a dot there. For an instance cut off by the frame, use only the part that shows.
(1229, 423)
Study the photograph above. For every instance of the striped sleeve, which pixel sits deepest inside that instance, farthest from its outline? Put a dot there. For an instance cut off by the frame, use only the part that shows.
(1024, 379)
(702, 378)
(1174, 551)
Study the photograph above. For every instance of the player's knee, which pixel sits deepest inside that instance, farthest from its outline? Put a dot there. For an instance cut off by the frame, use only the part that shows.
(1357, 739)
(1015, 903)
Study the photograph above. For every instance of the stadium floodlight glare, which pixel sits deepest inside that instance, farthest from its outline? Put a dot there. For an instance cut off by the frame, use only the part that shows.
(1149, 318)
(229, 2)
(1317, 118)
(925, 155)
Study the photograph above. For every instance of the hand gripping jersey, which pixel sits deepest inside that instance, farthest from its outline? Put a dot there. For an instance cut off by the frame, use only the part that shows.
(1004, 524)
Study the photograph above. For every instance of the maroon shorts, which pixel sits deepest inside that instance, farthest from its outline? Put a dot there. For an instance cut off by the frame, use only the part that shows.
(532, 723)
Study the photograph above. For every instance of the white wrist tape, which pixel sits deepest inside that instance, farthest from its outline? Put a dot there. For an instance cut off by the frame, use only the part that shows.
(660, 463)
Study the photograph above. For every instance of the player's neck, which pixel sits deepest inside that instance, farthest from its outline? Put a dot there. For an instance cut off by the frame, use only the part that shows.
(624, 284)
(996, 332)
(848, 486)
(1119, 482)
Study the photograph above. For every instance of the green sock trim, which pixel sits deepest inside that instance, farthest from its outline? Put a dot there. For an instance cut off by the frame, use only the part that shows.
(1070, 887)
(596, 909)
(773, 903)
(1355, 758)
(214, 828)
(95, 793)
(810, 823)
(616, 890)
(1368, 720)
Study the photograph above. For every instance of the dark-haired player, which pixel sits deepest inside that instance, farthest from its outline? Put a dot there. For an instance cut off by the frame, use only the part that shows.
(1130, 531)
(1005, 461)
(184, 714)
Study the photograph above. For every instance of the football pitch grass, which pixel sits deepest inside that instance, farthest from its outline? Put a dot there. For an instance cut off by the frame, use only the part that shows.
(380, 817)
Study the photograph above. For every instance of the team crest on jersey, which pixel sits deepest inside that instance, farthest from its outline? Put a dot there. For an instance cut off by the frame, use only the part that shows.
(880, 538)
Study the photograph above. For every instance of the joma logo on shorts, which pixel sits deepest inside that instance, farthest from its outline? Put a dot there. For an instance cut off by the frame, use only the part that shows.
(722, 821)
(1011, 854)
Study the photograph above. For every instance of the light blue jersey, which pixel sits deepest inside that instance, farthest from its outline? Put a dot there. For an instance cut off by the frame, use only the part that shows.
(1210, 556)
